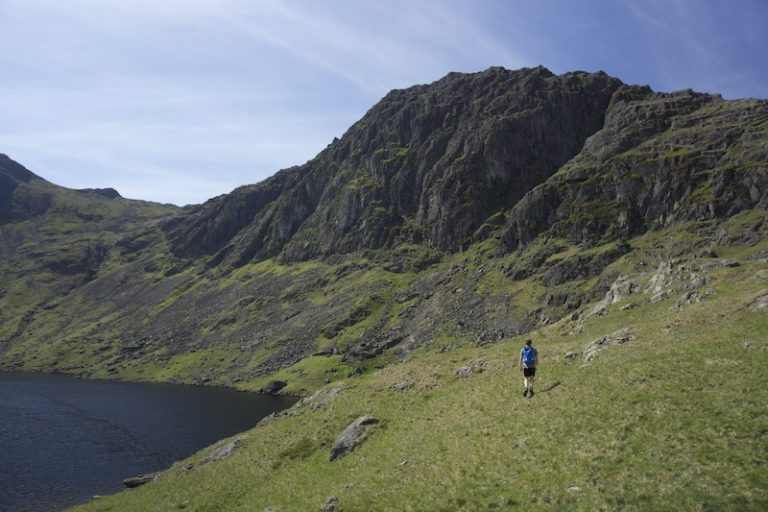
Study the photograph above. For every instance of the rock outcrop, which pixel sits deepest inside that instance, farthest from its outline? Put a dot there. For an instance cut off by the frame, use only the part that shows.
(758, 304)
(594, 347)
(471, 368)
(351, 437)
(579, 155)
(273, 387)
(220, 452)
(661, 159)
(330, 504)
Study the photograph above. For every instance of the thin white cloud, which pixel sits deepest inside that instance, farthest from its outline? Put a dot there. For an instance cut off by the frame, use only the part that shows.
(375, 46)
(101, 98)
(688, 38)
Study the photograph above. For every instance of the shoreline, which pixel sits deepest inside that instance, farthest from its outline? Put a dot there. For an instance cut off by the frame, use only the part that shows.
(89, 377)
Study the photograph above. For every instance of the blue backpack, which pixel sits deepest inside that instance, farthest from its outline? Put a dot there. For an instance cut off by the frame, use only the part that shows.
(529, 356)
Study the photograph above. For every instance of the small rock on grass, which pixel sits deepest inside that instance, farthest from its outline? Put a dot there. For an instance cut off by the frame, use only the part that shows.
(403, 386)
(471, 368)
(351, 437)
(330, 504)
(140, 480)
(222, 452)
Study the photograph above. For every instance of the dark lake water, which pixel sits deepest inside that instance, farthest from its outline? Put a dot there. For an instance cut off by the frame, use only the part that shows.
(64, 440)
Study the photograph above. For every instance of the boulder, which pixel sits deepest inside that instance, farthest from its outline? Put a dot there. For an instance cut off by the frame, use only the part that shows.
(403, 386)
(471, 368)
(597, 345)
(351, 437)
(330, 504)
(273, 387)
(357, 371)
(218, 453)
(758, 304)
(136, 481)
(222, 452)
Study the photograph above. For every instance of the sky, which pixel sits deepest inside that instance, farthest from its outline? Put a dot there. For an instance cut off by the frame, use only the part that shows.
(178, 101)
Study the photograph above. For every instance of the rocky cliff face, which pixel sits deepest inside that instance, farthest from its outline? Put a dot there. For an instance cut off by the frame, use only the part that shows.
(661, 159)
(429, 164)
(445, 164)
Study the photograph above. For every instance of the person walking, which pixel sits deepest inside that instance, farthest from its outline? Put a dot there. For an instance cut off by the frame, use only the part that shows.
(529, 357)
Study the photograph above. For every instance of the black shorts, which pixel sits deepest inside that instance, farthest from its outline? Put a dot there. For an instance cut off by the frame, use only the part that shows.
(529, 372)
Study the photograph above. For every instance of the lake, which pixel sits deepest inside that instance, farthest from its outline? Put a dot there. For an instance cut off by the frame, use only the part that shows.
(64, 440)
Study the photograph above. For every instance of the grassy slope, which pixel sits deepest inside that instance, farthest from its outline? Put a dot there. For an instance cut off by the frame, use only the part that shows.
(82, 315)
(42, 260)
(673, 420)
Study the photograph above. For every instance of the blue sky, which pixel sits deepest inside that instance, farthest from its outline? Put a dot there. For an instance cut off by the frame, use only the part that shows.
(182, 100)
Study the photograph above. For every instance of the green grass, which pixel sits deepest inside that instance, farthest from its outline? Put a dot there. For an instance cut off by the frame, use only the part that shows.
(309, 374)
(198, 362)
(672, 420)
(679, 153)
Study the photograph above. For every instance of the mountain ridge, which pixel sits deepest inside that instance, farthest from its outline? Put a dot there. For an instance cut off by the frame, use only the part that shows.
(393, 201)
(399, 166)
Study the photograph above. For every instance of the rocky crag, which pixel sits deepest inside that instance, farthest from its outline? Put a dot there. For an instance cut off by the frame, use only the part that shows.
(462, 212)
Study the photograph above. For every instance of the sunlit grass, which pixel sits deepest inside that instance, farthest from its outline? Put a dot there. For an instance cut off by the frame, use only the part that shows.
(672, 420)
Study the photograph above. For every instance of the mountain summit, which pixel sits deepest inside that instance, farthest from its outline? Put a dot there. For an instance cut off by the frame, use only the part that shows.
(446, 163)
(19, 196)
(429, 164)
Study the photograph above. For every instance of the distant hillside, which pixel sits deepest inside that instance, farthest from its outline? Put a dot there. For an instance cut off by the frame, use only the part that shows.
(54, 241)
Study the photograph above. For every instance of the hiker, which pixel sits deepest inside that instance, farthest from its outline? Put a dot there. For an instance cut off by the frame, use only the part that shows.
(529, 356)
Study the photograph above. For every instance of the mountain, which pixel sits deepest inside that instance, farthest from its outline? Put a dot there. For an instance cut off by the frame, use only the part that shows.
(432, 164)
(472, 209)
(396, 274)
(428, 164)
